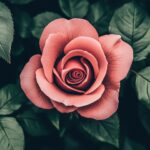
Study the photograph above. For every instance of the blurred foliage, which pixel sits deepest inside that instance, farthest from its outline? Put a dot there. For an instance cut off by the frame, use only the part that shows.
(24, 126)
(6, 32)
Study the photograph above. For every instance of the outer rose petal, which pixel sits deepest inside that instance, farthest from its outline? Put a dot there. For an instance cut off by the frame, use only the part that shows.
(72, 28)
(54, 93)
(62, 108)
(103, 108)
(92, 46)
(119, 56)
(52, 49)
(29, 84)
(108, 41)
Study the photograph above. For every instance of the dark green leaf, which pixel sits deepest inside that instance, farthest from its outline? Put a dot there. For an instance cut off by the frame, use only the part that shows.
(11, 134)
(133, 24)
(96, 11)
(104, 130)
(74, 8)
(32, 123)
(142, 86)
(11, 98)
(22, 23)
(66, 122)
(144, 114)
(99, 15)
(41, 20)
(6, 32)
(132, 145)
(20, 1)
(54, 117)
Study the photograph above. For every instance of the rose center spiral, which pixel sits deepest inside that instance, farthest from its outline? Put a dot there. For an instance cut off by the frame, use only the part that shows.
(75, 76)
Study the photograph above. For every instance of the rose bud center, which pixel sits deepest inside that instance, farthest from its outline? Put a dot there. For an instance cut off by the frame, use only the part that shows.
(75, 76)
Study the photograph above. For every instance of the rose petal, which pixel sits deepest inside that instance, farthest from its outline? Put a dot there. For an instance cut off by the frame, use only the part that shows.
(82, 53)
(68, 66)
(108, 41)
(75, 77)
(54, 93)
(119, 55)
(63, 85)
(92, 46)
(72, 28)
(103, 108)
(52, 50)
(81, 64)
(29, 85)
(62, 108)
(88, 80)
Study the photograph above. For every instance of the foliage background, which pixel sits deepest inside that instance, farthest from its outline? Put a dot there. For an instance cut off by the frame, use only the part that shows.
(24, 126)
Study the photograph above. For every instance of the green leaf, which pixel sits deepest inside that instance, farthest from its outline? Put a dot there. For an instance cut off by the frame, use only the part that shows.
(11, 98)
(96, 11)
(11, 134)
(144, 115)
(99, 15)
(41, 20)
(54, 117)
(142, 86)
(66, 122)
(6, 32)
(130, 144)
(22, 21)
(104, 130)
(33, 124)
(74, 8)
(20, 2)
(133, 24)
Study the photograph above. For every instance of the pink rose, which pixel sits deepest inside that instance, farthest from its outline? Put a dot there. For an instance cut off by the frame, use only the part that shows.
(77, 70)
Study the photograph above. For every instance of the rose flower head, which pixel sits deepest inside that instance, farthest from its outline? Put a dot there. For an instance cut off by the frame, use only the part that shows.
(77, 70)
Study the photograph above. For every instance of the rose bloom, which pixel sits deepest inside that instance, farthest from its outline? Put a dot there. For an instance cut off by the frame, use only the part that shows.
(77, 70)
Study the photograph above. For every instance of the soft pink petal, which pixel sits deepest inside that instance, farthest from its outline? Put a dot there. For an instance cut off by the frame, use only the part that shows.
(109, 41)
(89, 76)
(72, 28)
(70, 65)
(61, 72)
(56, 94)
(73, 63)
(52, 50)
(119, 56)
(75, 77)
(63, 85)
(92, 46)
(103, 108)
(29, 84)
(62, 108)
(81, 64)
(82, 53)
